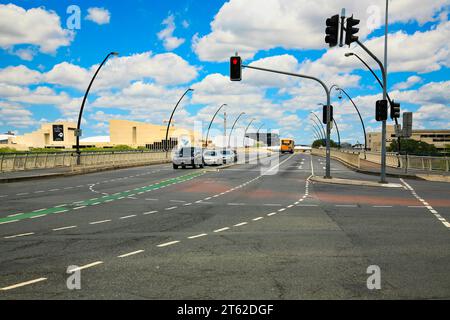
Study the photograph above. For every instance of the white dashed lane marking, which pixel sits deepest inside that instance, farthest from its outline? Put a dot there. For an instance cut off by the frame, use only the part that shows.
(22, 284)
(130, 254)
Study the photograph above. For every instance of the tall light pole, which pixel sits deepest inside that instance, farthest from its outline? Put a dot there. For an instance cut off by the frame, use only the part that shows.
(80, 115)
(319, 123)
(357, 110)
(166, 142)
(246, 129)
(212, 120)
(383, 68)
(232, 128)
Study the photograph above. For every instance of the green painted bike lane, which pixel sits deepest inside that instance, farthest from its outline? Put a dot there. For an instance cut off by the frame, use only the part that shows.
(101, 200)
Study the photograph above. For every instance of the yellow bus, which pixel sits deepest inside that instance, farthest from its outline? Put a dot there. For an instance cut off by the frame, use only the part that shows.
(287, 146)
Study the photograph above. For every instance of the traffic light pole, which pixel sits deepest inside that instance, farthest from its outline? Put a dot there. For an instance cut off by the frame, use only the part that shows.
(327, 91)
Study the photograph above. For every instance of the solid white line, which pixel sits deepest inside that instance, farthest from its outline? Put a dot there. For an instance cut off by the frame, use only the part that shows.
(39, 216)
(167, 244)
(241, 224)
(220, 230)
(19, 235)
(98, 222)
(64, 228)
(14, 215)
(93, 264)
(126, 217)
(23, 284)
(9, 222)
(150, 212)
(198, 236)
(130, 254)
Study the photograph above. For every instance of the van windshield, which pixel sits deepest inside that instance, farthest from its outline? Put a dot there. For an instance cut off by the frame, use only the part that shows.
(210, 153)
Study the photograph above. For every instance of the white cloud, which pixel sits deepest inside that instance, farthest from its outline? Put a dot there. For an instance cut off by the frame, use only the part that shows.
(166, 35)
(411, 81)
(120, 72)
(35, 26)
(248, 26)
(19, 75)
(15, 115)
(99, 15)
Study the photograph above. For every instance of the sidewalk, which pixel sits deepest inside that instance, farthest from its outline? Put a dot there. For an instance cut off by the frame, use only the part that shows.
(35, 174)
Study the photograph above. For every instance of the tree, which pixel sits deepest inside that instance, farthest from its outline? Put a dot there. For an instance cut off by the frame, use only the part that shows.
(323, 143)
(414, 147)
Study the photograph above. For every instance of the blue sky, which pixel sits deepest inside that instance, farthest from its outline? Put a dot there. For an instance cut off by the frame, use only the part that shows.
(168, 46)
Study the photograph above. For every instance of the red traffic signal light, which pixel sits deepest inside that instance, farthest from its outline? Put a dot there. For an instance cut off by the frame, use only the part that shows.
(332, 30)
(235, 68)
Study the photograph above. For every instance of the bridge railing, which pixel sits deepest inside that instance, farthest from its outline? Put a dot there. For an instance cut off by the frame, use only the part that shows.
(405, 162)
(10, 162)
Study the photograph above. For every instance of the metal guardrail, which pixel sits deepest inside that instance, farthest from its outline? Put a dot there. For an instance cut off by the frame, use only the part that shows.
(405, 162)
(10, 162)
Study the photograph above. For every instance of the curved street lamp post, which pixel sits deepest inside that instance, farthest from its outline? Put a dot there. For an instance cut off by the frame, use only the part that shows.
(232, 128)
(212, 120)
(166, 142)
(80, 115)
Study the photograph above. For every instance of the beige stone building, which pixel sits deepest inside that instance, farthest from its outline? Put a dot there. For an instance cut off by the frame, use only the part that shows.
(122, 132)
(438, 138)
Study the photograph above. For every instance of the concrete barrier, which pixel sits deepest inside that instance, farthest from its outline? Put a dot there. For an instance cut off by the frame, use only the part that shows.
(351, 158)
(11, 162)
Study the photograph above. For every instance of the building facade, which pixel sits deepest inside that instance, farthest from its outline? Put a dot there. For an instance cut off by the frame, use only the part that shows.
(439, 138)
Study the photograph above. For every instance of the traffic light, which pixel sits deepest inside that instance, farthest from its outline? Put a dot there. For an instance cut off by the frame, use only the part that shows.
(235, 68)
(381, 110)
(332, 30)
(351, 31)
(395, 110)
(324, 114)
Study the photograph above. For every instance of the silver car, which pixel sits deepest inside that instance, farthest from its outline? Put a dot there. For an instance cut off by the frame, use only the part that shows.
(187, 156)
(212, 158)
(228, 156)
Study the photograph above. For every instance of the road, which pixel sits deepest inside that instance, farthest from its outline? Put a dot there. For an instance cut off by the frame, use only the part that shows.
(235, 233)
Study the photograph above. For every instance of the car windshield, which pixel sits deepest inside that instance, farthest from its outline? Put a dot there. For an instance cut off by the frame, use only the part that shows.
(210, 153)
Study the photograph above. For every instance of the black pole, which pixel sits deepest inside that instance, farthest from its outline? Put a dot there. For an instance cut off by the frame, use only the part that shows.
(360, 117)
(78, 132)
(170, 120)
(215, 114)
(246, 129)
(337, 130)
(320, 122)
(382, 87)
(318, 128)
(234, 124)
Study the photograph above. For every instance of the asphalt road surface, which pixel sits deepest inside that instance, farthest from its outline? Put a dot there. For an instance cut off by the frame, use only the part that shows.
(250, 231)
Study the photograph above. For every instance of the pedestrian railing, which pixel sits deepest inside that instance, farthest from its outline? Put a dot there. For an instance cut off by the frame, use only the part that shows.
(10, 162)
(405, 162)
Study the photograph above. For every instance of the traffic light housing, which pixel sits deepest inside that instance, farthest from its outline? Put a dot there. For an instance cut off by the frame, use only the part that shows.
(332, 30)
(351, 31)
(235, 68)
(381, 110)
(324, 114)
(395, 110)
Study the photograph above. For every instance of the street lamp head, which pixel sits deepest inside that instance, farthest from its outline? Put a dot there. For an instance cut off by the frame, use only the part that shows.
(190, 89)
(348, 54)
(114, 53)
